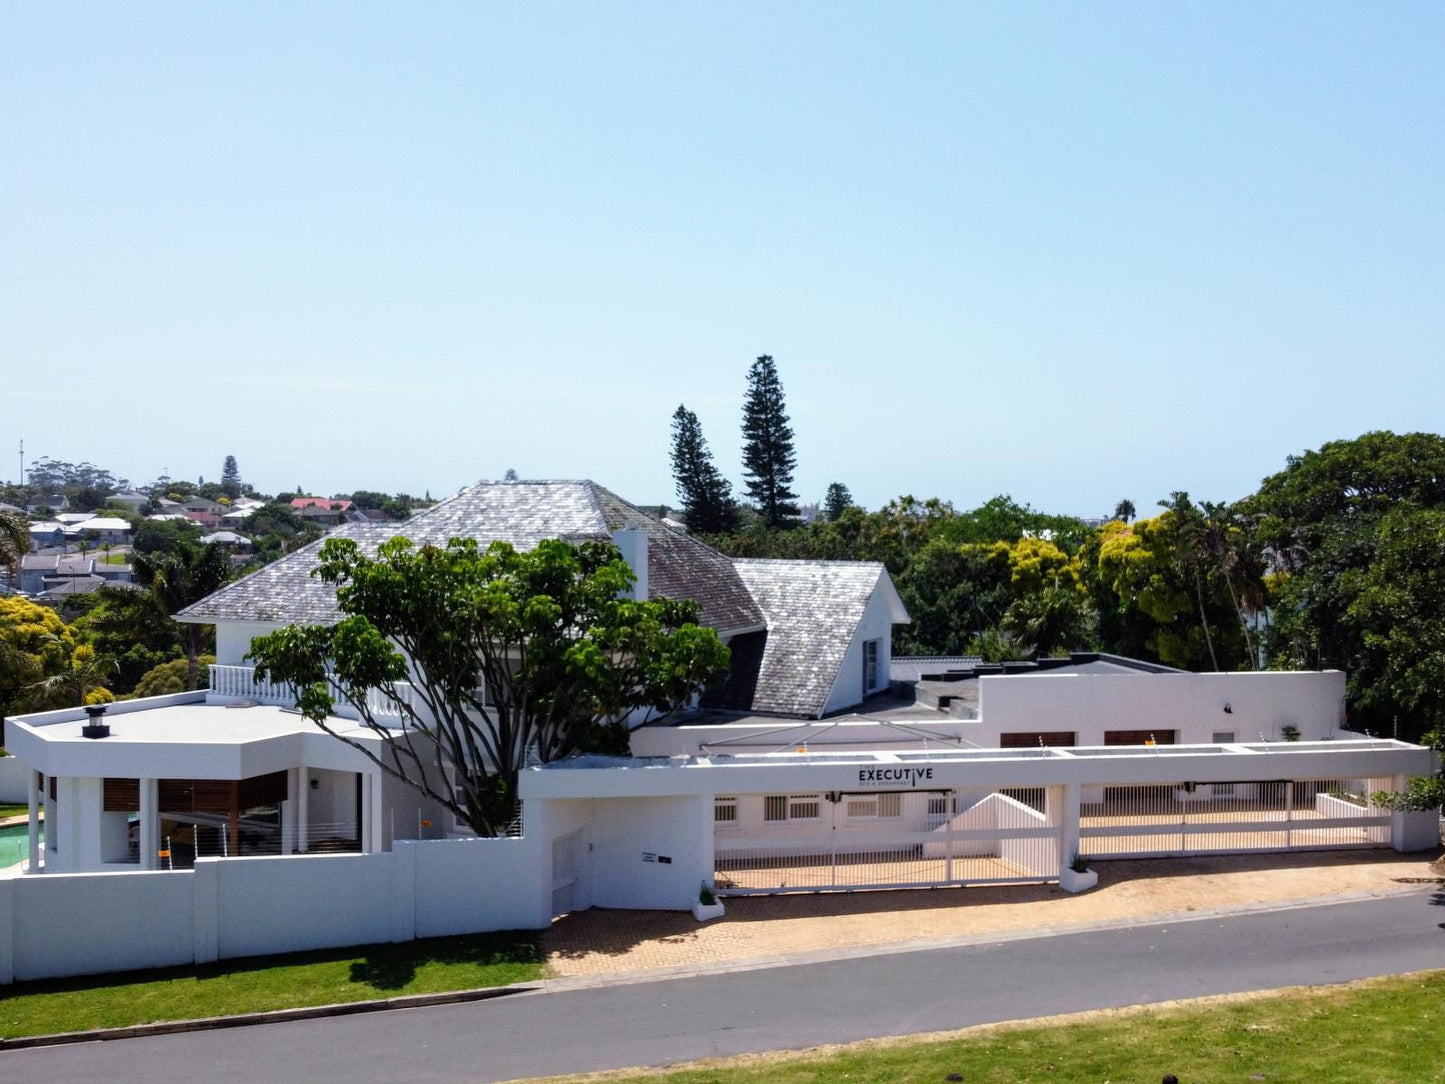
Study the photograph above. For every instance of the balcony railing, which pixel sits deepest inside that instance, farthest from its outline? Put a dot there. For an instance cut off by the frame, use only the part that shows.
(241, 683)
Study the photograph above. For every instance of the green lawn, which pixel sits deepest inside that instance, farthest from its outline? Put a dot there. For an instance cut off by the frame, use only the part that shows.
(260, 983)
(7, 810)
(114, 558)
(1383, 1031)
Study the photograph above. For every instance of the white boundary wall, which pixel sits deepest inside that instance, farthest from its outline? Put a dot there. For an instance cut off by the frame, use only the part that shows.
(14, 784)
(55, 925)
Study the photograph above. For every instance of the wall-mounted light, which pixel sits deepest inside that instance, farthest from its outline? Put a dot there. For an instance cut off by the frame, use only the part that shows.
(1227, 709)
(315, 784)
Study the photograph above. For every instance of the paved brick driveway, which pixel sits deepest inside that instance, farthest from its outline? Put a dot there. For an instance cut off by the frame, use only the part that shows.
(602, 942)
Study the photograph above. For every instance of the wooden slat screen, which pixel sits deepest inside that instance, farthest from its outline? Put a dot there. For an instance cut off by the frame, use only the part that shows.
(1138, 737)
(1026, 740)
(120, 795)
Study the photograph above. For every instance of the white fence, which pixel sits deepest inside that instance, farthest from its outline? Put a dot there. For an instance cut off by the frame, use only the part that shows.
(241, 683)
(55, 925)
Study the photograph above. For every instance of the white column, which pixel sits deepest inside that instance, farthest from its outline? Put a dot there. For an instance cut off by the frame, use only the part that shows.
(374, 836)
(1067, 798)
(303, 801)
(34, 797)
(150, 824)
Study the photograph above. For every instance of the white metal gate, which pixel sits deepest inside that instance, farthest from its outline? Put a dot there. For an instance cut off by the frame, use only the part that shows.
(1232, 818)
(566, 871)
(844, 841)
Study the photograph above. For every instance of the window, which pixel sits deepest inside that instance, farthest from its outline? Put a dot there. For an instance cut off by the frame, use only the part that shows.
(874, 806)
(1222, 737)
(870, 665)
(725, 812)
(779, 808)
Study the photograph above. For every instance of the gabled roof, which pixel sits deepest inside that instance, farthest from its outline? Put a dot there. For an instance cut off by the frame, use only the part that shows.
(321, 502)
(522, 513)
(58, 564)
(812, 610)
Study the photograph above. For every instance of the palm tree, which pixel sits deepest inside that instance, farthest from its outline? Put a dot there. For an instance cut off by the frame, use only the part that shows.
(1124, 510)
(184, 574)
(1191, 554)
(1229, 543)
(83, 673)
(14, 544)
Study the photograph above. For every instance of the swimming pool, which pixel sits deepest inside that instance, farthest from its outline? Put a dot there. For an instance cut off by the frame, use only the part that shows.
(15, 843)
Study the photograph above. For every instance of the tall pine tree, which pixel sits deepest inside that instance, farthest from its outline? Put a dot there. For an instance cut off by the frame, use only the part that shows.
(768, 457)
(707, 497)
(231, 478)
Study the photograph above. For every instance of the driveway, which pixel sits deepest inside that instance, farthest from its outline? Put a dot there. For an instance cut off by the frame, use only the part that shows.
(757, 929)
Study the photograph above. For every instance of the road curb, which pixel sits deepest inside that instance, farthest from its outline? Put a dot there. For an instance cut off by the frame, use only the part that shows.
(276, 1016)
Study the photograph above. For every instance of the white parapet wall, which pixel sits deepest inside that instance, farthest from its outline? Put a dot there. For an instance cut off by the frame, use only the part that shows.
(14, 780)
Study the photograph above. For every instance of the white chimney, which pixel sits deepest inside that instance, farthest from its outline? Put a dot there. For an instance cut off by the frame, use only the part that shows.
(632, 541)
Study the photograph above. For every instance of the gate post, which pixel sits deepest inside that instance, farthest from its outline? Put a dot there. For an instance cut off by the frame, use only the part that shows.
(1066, 801)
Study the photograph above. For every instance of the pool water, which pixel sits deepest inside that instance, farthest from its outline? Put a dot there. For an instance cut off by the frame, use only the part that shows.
(15, 844)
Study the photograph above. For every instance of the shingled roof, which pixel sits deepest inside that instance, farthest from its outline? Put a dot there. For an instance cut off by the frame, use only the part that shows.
(812, 610)
(522, 513)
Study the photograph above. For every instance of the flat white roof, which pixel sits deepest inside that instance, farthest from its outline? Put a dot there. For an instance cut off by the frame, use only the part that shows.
(602, 777)
(189, 739)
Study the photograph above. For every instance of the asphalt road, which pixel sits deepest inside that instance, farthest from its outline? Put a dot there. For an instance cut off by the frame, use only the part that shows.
(838, 1001)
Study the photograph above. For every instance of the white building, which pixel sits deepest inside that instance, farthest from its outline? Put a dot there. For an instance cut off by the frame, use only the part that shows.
(800, 772)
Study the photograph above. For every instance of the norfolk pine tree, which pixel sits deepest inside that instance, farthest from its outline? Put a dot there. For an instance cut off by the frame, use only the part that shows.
(836, 502)
(231, 477)
(707, 497)
(768, 457)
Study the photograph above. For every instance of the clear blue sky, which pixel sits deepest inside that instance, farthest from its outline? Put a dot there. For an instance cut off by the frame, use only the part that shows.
(1069, 252)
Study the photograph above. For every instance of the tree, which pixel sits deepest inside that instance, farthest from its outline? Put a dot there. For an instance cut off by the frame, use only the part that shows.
(186, 573)
(1124, 510)
(1345, 524)
(35, 644)
(768, 456)
(707, 497)
(836, 501)
(509, 653)
(14, 544)
(169, 677)
(231, 477)
(80, 679)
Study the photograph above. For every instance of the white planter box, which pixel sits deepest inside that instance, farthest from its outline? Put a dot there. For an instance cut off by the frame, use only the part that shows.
(705, 912)
(1070, 881)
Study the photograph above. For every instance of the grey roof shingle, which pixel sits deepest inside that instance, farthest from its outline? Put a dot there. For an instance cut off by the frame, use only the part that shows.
(812, 610)
(522, 513)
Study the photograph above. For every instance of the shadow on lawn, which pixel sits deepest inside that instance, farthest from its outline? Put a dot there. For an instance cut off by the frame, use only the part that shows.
(392, 967)
(382, 967)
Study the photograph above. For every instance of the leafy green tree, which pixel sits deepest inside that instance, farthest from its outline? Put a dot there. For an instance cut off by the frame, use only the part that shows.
(768, 455)
(160, 535)
(836, 501)
(707, 497)
(509, 652)
(178, 577)
(231, 478)
(1343, 522)
(170, 677)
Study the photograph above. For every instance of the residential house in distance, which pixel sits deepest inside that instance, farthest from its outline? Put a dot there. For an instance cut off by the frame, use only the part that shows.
(47, 534)
(321, 510)
(129, 499)
(53, 575)
(106, 529)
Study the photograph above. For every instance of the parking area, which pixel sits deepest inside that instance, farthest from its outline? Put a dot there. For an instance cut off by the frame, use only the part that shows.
(604, 942)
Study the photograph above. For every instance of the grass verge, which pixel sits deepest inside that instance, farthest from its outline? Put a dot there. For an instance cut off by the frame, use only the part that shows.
(1380, 1031)
(263, 983)
(9, 810)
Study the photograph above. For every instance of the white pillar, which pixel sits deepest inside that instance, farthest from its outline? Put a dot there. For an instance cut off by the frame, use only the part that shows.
(374, 840)
(1068, 813)
(34, 797)
(150, 824)
(303, 801)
